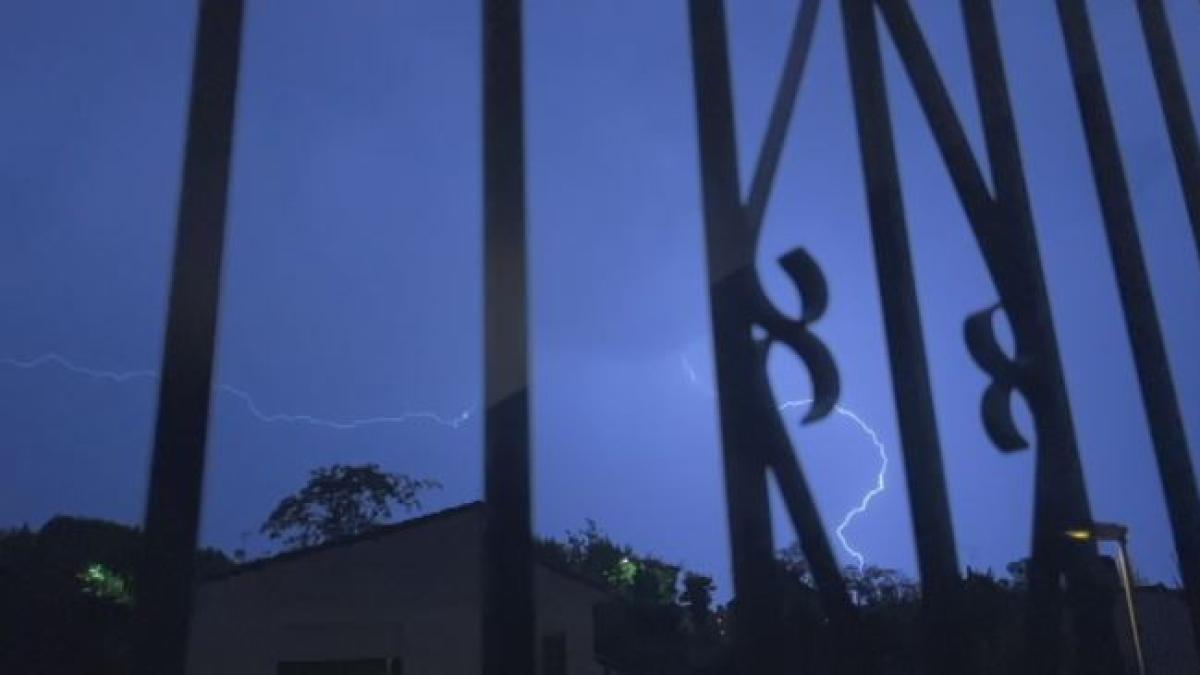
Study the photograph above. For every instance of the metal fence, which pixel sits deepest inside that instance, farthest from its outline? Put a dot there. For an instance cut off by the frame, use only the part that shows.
(1066, 581)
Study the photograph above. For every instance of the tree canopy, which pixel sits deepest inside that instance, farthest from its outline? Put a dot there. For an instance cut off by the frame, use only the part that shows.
(67, 595)
(591, 554)
(340, 501)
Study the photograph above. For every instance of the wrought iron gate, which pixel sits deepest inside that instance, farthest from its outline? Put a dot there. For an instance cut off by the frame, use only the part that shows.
(755, 444)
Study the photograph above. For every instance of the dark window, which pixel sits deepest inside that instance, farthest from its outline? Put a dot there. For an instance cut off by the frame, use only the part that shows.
(554, 654)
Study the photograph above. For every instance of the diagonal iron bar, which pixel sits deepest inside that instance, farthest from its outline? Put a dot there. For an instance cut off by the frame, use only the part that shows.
(781, 115)
(1141, 317)
(912, 389)
(1176, 111)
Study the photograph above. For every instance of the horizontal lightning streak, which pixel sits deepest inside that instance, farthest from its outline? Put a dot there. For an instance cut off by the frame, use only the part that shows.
(62, 362)
(244, 397)
(455, 422)
(880, 478)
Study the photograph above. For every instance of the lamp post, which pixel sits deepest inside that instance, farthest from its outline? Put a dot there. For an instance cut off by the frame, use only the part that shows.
(1120, 535)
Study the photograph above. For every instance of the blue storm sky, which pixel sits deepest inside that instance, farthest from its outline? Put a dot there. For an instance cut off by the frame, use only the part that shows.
(352, 284)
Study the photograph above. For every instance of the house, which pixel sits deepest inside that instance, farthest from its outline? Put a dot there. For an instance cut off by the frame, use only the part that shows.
(1166, 631)
(401, 599)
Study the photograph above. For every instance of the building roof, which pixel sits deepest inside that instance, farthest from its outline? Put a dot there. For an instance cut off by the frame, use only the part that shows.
(371, 534)
(379, 532)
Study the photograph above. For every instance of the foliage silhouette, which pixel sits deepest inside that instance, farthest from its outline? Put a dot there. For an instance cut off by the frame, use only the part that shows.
(591, 554)
(340, 501)
(66, 595)
(697, 601)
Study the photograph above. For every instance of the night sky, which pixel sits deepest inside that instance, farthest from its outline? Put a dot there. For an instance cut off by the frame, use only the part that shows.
(352, 285)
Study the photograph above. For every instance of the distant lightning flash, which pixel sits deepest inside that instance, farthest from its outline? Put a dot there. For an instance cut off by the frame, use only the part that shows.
(455, 422)
(880, 484)
(244, 397)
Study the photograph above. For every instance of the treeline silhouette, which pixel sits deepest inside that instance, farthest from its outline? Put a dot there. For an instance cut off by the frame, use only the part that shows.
(67, 591)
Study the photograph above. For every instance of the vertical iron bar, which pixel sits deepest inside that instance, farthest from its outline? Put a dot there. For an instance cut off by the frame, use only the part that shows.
(1003, 226)
(1176, 111)
(780, 459)
(1061, 498)
(754, 441)
(756, 636)
(936, 553)
(1141, 318)
(508, 611)
(164, 590)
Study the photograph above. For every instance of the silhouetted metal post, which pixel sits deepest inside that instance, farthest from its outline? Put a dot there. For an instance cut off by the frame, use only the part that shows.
(928, 501)
(1141, 318)
(756, 628)
(754, 442)
(508, 610)
(1061, 493)
(1003, 228)
(1180, 125)
(165, 580)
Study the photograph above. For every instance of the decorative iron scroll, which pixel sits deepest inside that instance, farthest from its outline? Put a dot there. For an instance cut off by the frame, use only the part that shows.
(1003, 226)
(806, 274)
(754, 441)
(980, 334)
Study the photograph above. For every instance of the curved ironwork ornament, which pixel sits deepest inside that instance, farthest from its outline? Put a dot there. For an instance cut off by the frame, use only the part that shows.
(794, 334)
(984, 347)
(745, 323)
(1002, 221)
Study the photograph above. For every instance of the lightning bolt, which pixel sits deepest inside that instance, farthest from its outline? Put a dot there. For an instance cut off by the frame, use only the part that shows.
(691, 373)
(880, 477)
(244, 397)
(453, 422)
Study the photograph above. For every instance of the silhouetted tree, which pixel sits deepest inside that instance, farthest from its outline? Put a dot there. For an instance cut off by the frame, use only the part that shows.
(341, 501)
(887, 602)
(697, 598)
(66, 595)
(992, 614)
(793, 565)
(641, 628)
(591, 554)
(1018, 573)
(874, 586)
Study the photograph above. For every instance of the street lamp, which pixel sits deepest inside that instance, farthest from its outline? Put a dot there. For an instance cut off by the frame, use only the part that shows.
(1120, 535)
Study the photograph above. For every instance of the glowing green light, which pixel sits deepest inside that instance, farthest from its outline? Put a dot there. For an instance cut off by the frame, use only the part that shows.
(623, 573)
(102, 582)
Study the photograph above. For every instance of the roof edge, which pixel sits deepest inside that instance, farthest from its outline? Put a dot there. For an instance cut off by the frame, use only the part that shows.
(371, 534)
